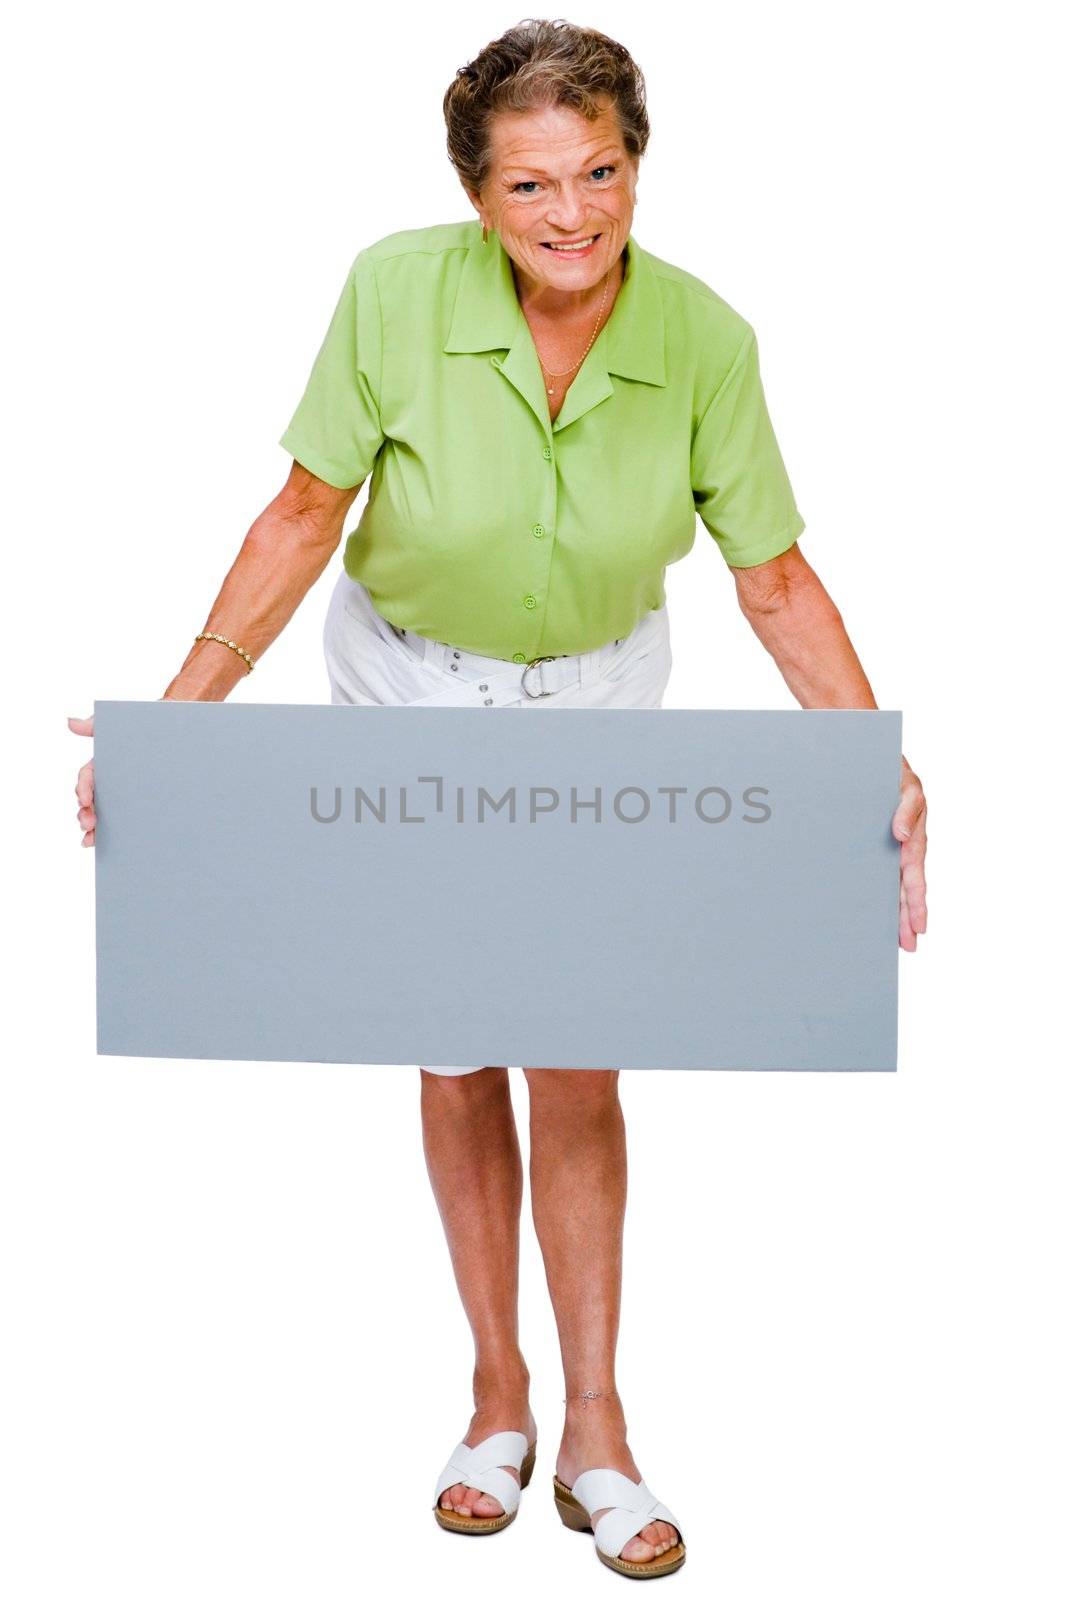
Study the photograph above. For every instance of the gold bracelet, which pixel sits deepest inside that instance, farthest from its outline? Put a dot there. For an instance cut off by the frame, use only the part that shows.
(219, 637)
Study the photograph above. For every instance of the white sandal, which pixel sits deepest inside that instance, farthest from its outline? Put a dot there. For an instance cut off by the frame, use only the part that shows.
(632, 1506)
(481, 1466)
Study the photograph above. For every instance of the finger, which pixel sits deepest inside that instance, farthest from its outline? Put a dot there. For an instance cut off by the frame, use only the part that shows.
(907, 941)
(80, 724)
(912, 873)
(90, 837)
(909, 811)
(87, 817)
(84, 783)
(913, 885)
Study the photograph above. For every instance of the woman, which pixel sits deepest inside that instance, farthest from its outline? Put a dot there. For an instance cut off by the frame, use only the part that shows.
(544, 408)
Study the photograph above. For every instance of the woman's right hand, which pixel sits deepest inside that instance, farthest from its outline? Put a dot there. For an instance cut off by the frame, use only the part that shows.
(295, 535)
(87, 817)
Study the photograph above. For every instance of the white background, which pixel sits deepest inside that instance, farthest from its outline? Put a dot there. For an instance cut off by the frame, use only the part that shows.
(234, 1360)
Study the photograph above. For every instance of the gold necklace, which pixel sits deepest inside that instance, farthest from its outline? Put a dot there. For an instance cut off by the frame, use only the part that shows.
(585, 352)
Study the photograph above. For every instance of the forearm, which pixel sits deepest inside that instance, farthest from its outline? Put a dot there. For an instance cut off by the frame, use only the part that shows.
(278, 561)
(803, 632)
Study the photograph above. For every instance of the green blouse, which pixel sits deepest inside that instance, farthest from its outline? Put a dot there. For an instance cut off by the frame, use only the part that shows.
(487, 524)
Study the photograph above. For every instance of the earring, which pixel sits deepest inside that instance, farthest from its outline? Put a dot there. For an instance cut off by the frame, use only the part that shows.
(484, 234)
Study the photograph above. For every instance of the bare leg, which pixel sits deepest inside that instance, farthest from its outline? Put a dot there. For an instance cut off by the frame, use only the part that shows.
(578, 1182)
(475, 1167)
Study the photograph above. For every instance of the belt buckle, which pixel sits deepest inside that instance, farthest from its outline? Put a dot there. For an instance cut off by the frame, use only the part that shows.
(526, 668)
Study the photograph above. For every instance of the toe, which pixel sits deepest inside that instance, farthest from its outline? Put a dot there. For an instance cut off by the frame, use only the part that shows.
(664, 1533)
(652, 1541)
(470, 1502)
(637, 1549)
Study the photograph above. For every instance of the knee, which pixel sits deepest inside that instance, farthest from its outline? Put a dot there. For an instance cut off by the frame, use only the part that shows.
(464, 1085)
(582, 1086)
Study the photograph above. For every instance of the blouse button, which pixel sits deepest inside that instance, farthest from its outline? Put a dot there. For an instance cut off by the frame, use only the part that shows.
(547, 452)
(530, 601)
(518, 656)
(538, 530)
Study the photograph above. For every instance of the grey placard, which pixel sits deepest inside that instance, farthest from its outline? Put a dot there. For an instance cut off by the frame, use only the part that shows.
(434, 885)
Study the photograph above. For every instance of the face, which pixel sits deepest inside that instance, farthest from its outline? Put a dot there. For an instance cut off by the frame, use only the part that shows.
(556, 177)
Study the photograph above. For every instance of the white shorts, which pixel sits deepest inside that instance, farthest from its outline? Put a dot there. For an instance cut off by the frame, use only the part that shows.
(371, 662)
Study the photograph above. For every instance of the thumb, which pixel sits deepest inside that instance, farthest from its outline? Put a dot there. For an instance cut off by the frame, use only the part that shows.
(80, 724)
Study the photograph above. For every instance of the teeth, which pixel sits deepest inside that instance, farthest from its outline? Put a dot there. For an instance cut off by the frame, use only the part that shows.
(582, 245)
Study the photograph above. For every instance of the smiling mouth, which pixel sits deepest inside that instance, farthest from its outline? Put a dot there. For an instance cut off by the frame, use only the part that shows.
(566, 249)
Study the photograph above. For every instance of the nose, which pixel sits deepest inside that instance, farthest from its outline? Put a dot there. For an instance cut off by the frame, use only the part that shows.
(569, 211)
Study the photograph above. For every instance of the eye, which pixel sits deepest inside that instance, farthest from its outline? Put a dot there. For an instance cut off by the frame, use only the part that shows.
(530, 184)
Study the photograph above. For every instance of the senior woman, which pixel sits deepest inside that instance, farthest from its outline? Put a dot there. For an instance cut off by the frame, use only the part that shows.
(543, 408)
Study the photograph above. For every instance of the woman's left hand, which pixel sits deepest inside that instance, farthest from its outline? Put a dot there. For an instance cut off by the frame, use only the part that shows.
(908, 826)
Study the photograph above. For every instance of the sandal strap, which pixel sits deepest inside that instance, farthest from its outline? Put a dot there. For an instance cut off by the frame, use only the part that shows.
(632, 1506)
(481, 1466)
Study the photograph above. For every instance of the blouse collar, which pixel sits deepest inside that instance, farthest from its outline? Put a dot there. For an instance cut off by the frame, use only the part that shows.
(488, 315)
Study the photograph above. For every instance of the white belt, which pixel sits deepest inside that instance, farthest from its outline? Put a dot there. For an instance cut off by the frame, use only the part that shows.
(532, 681)
(506, 683)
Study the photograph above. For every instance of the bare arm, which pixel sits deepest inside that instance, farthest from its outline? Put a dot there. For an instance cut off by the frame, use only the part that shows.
(284, 553)
(800, 626)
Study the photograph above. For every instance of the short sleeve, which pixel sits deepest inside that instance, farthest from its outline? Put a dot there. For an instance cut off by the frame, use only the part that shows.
(740, 483)
(335, 432)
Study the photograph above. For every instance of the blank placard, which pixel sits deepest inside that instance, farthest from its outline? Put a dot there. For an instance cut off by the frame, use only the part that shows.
(437, 885)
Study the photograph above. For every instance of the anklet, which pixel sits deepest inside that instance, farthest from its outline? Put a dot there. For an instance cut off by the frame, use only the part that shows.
(587, 1395)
